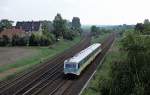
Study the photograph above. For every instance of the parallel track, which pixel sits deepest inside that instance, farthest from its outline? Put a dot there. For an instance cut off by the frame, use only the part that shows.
(77, 85)
(73, 87)
(31, 81)
(48, 79)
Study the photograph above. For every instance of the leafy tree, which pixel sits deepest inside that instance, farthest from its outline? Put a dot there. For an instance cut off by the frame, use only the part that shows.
(23, 41)
(5, 41)
(146, 21)
(59, 26)
(68, 35)
(15, 40)
(47, 32)
(34, 40)
(45, 41)
(146, 26)
(47, 26)
(5, 23)
(139, 27)
(1, 42)
(76, 23)
(94, 30)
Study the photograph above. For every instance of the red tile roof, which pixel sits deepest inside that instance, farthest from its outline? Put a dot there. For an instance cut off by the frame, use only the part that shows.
(11, 32)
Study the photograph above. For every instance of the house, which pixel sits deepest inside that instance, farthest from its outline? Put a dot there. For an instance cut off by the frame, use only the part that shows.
(12, 32)
(30, 26)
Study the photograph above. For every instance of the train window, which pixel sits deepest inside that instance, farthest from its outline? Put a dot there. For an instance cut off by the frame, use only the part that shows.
(81, 62)
(78, 66)
(70, 65)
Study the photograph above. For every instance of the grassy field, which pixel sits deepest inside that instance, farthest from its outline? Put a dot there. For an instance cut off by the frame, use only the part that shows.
(100, 38)
(40, 54)
(102, 72)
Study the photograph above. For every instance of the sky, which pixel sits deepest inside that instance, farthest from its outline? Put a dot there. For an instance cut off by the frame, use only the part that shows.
(93, 12)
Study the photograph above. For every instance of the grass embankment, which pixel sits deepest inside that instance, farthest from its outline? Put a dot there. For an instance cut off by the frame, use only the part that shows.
(102, 72)
(42, 53)
(100, 38)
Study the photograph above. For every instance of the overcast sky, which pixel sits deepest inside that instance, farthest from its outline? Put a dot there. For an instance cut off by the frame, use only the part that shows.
(101, 12)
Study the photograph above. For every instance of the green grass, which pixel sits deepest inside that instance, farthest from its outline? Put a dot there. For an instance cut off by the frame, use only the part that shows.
(100, 38)
(42, 53)
(102, 72)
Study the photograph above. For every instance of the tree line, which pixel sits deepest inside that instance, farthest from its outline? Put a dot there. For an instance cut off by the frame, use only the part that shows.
(96, 31)
(52, 32)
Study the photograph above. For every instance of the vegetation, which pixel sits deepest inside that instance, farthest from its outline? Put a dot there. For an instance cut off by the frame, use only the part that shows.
(100, 38)
(143, 28)
(5, 23)
(62, 27)
(51, 32)
(42, 54)
(16, 41)
(94, 30)
(4, 41)
(59, 26)
(102, 74)
(128, 72)
(76, 25)
(99, 34)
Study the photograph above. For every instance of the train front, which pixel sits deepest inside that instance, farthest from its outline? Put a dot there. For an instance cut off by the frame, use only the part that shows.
(70, 67)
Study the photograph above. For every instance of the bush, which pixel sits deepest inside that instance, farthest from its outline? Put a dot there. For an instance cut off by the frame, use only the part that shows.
(23, 41)
(34, 40)
(4, 41)
(45, 41)
(41, 40)
(68, 35)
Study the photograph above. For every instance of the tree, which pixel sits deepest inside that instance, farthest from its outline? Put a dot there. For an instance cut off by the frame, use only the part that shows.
(59, 26)
(5, 23)
(76, 23)
(45, 41)
(146, 26)
(15, 40)
(94, 30)
(139, 27)
(22, 41)
(47, 26)
(1, 42)
(146, 21)
(68, 35)
(5, 40)
(47, 32)
(34, 40)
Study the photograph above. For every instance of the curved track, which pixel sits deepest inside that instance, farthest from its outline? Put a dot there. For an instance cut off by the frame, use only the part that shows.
(73, 87)
(77, 85)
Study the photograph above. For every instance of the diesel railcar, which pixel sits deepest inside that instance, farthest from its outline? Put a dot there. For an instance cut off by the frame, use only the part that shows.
(81, 60)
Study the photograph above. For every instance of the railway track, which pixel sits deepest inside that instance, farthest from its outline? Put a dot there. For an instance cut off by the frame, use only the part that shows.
(31, 82)
(73, 87)
(77, 85)
(5, 83)
(48, 80)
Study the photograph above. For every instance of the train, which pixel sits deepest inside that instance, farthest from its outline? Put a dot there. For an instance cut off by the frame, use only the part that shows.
(76, 64)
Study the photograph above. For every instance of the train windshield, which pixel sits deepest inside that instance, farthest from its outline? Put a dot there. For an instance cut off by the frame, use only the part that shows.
(70, 65)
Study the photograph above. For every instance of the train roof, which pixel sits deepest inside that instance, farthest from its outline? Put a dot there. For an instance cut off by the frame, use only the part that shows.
(84, 53)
